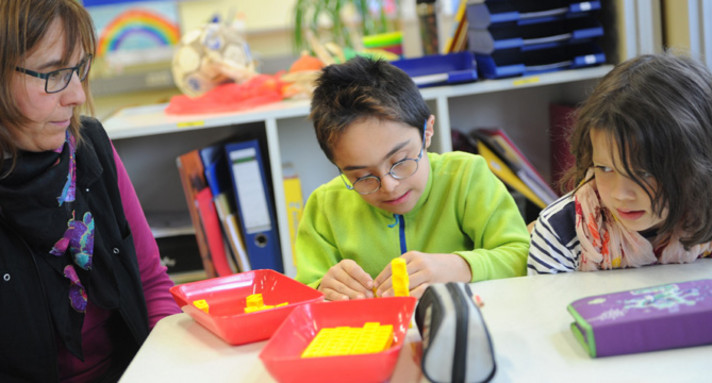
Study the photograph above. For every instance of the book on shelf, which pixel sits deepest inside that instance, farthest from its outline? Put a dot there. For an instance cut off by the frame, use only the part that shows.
(235, 214)
(535, 188)
(457, 38)
(502, 170)
(232, 231)
(294, 201)
(213, 232)
(191, 171)
(215, 165)
(218, 179)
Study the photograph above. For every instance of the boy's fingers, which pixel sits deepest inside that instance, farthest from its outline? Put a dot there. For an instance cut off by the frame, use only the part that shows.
(383, 276)
(382, 282)
(356, 274)
(339, 283)
(418, 291)
(337, 289)
(332, 295)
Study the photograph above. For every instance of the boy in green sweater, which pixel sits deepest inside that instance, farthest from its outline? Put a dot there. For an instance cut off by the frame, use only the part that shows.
(446, 214)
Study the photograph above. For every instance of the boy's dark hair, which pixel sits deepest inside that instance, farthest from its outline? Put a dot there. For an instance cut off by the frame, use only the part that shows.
(658, 109)
(362, 88)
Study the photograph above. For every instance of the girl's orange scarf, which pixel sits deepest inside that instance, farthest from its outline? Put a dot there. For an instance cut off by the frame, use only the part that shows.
(607, 244)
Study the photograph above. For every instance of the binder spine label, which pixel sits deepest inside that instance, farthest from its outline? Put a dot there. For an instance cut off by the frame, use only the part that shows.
(255, 212)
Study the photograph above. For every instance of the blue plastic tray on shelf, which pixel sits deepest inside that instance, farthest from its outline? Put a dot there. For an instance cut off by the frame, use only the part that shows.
(518, 62)
(522, 12)
(533, 36)
(453, 68)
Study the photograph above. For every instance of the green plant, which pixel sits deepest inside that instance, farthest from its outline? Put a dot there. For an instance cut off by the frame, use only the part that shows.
(334, 21)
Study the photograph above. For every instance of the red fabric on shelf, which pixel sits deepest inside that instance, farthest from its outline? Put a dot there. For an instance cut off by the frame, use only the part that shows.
(259, 90)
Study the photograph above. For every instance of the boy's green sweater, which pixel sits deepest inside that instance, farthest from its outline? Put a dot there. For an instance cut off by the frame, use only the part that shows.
(464, 209)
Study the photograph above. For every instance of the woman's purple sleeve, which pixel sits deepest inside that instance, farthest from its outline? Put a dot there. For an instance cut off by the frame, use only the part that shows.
(156, 282)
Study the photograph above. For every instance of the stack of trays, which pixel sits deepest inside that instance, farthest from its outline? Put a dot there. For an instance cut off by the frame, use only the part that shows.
(523, 37)
(446, 69)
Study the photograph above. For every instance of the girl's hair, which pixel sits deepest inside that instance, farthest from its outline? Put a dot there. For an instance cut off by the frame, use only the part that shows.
(658, 109)
(23, 24)
(362, 88)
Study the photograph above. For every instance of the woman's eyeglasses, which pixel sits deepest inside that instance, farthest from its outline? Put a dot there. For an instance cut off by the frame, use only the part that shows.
(400, 171)
(58, 80)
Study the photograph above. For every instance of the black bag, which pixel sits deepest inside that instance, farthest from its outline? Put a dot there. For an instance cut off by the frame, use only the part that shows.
(456, 344)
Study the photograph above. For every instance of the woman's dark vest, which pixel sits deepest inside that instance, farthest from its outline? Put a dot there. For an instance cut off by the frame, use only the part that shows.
(28, 350)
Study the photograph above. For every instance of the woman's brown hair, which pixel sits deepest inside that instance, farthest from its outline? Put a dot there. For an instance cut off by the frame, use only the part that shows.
(23, 24)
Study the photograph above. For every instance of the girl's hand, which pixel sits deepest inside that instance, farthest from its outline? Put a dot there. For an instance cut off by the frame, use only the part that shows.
(346, 280)
(424, 269)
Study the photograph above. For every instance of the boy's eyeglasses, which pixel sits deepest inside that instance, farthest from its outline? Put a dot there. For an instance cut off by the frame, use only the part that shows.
(58, 80)
(400, 171)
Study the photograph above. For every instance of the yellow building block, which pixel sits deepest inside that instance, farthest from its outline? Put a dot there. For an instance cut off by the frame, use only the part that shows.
(202, 304)
(334, 341)
(325, 343)
(254, 302)
(251, 309)
(374, 338)
(399, 278)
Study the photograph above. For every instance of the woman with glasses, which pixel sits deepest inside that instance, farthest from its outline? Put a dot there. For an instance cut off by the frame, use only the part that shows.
(447, 215)
(81, 282)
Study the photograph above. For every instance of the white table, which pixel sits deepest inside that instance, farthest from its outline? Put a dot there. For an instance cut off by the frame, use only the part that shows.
(526, 317)
(529, 325)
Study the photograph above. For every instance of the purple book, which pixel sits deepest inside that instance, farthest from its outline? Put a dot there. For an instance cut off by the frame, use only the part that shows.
(647, 319)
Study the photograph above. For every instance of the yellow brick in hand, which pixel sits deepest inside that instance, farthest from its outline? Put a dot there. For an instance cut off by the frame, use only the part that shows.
(399, 278)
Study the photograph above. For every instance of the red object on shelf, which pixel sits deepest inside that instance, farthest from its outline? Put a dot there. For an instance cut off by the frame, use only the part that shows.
(192, 177)
(212, 231)
(259, 90)
(226, 300)
(282, 353)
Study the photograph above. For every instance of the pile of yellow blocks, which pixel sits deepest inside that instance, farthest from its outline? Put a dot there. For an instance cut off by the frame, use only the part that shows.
(333, 341)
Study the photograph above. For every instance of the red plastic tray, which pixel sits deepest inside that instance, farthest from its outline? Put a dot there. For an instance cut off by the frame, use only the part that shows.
(226, 300)
(282, 353)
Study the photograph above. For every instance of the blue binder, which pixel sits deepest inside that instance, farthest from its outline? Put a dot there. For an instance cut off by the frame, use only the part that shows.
(217, 174)
(254, 205)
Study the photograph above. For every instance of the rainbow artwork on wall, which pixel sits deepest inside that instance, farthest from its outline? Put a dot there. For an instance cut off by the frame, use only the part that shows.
(130, 27)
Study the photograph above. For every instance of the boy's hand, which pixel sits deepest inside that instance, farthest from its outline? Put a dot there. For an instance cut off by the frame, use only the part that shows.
(346, 280)
(424, 269)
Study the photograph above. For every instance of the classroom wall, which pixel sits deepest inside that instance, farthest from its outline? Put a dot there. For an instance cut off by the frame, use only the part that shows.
(676, 24)
(269, 33)
(688, 27)
(268, 22)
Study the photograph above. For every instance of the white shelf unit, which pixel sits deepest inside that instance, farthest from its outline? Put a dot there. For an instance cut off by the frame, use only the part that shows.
(149, 141)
